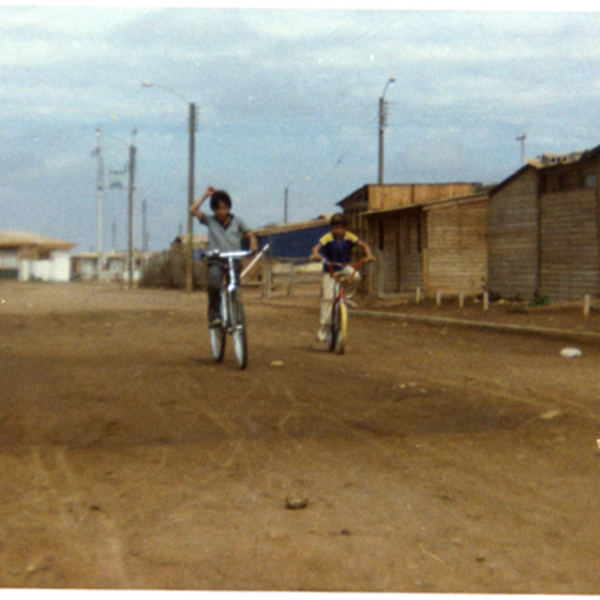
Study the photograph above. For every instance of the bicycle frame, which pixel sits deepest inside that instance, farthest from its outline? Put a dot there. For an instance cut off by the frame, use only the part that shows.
(338, 290)
(338, 321)
(232, 279)
(232, 311)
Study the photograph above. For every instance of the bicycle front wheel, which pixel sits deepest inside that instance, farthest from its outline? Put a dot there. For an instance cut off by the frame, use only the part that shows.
(238, 326)
(217, 342)
(333, 328)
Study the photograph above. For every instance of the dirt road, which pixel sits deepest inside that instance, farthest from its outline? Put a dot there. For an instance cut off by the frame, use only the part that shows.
(434, 459)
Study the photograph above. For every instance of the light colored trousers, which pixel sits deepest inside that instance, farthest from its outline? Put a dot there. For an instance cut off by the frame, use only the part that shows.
(327, 289)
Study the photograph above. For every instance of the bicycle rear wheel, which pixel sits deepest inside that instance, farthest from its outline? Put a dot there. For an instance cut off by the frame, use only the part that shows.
(343, 327)
(238, 326)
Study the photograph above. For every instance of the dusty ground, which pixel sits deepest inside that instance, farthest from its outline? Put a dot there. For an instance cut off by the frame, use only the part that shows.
(434, 459)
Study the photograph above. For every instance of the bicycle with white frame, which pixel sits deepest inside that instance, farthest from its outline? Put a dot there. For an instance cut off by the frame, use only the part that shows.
(233, 321)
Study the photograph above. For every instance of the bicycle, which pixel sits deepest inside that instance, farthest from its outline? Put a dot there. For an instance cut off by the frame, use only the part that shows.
(337, 328)
(233, 321)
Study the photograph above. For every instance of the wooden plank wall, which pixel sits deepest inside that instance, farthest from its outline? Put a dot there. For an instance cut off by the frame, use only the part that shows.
(457, 249)
(389, 259)
(512, 238)
(383, 197)
(569, 257)
(411, 258)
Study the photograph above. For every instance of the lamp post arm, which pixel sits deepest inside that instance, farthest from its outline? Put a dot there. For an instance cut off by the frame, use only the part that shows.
(164, 87)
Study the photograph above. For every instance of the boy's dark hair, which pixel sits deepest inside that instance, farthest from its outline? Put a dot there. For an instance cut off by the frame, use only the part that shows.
(220, 197)
(339, 219)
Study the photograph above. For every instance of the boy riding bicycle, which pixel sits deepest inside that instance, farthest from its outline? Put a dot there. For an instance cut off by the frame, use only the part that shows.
(336, 247)
(225, 233)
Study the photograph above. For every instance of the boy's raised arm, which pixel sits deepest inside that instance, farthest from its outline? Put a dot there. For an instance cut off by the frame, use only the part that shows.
(194, 207)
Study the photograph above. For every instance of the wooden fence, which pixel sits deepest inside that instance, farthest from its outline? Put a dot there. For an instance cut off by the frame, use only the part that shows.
(289, 277)
(167, 270)
(274, 276)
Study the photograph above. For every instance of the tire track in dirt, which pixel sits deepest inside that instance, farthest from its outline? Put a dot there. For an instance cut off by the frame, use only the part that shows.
(191, 390)
(321, 414)
(54, 469)
(480, 385)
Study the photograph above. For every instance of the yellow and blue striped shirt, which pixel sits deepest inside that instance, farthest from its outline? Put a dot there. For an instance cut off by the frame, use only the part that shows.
(337, 251)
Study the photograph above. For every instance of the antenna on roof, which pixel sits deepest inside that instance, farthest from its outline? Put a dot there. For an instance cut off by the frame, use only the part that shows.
(522, 139)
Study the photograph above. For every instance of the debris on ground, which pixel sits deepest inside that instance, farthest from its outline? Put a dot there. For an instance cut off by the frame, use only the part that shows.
(570, 352)
(294, 502)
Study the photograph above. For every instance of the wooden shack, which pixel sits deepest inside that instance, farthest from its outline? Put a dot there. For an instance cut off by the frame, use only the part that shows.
(399, 195)
(435, 245)
(543, 231)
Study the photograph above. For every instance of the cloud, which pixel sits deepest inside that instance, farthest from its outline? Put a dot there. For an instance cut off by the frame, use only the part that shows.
(281, 95)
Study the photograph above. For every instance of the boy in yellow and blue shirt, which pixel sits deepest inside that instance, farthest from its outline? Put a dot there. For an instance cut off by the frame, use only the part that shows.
(336, 247)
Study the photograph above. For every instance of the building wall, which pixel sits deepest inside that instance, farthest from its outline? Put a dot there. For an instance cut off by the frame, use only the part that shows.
(456, 254)
(382, 197)
(513, 237)
(411, 256)
(61, 266)
(569, 244)
(389, 255)
(397, 239)
(9, 264)
(54, 269)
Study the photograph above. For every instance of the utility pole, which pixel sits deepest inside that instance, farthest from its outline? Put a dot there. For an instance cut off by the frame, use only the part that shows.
(382, 124)
(99, 192)
(130, 206)
(522, 139)
(144, 226)
(285, 207)
(189, 279)
(189, 262)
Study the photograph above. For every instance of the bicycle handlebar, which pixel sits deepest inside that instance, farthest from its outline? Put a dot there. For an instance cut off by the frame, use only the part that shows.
(334, 274)
(232, 254)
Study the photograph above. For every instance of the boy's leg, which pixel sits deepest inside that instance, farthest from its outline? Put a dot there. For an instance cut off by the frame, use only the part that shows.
(215, 282)
(327, 289)
(351, 286)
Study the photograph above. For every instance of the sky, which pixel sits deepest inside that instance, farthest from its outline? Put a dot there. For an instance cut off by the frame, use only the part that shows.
(286, 98)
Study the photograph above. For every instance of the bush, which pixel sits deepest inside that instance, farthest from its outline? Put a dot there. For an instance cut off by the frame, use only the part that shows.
(540, 301)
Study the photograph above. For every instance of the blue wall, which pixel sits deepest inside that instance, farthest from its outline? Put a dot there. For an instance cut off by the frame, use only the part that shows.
(293, 244)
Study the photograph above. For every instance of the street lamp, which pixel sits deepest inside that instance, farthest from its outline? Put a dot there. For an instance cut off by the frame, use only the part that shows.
(192, 132)
(382, 123)
(99, 192)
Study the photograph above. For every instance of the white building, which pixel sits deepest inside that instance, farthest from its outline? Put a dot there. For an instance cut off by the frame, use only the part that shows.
(26, 256)
(84, 266)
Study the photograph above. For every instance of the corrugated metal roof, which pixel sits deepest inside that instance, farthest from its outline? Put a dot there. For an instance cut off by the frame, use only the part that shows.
(19, 239)
(274, 229)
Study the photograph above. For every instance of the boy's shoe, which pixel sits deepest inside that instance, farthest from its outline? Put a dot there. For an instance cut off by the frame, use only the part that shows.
(216, 322)
(322, 334)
